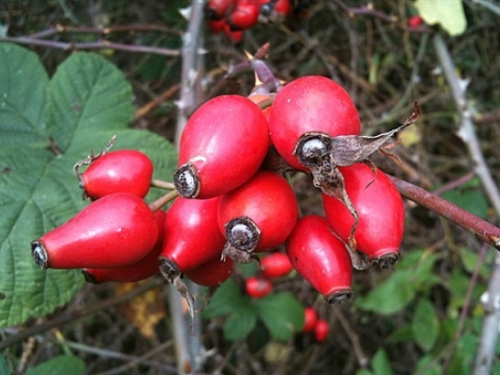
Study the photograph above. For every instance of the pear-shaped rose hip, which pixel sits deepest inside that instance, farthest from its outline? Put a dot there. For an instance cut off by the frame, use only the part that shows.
(222, 146)
(321, 258)
(144, 268)
(381, 213)
(113, 231)
(121, 171)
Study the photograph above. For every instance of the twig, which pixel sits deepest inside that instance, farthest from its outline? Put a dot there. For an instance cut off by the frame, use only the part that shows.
(489, 334)
(163, 200)
(484, 230)
(104, 44)
(363, 360)
(71, 316)
(57, 29)
(366, 10)
(162, 184)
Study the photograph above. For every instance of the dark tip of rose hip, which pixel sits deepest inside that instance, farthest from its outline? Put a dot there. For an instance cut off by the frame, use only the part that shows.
(242, 233)
(339, 296)
(89, 277)
(387, 260)
(39, 254)
(186, 181)
(312, 147)
(169, 269)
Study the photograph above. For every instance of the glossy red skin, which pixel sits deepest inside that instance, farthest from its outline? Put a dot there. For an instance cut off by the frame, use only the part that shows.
(243, 15)
(113, 231)
(257, 287)
(212, 273)
(415, 21)
(318, 256)
(275, 265)
(268, 199)
(226, 140)
(310, 103)
(380, 209)
(192, 236)
(310, 319)
(144, 268)
(121, 171)
(321, 330)
(283, 7)
(216, 9)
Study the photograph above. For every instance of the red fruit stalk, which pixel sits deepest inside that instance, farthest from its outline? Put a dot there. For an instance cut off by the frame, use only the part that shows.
(257, 216)
(144, 268)
(212, 273)
(222, 146)
(275, 265)
(321, 258)
(115, 230)
(192, 236)
(310, 105)
(122, 171)
(381, 213)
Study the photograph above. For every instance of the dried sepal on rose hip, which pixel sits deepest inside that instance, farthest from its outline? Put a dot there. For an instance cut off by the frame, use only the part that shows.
(143, 269)
(257, 216)
(321, 258)
(113, 231)
(380, 228)
(222, 146)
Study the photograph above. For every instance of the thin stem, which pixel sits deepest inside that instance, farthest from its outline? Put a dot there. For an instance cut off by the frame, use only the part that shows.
(484, 230)
(163, 200)
(162, 184)
(65, 46)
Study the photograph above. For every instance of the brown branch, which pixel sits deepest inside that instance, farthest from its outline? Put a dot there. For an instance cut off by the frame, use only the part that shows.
(65, 46)
(484, 230)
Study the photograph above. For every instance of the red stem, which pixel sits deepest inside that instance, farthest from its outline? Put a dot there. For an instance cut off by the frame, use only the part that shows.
(484, 230)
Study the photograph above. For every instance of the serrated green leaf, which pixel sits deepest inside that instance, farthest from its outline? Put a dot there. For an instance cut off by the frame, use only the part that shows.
(470, 197)
(22, 97)
(448, 13)
(390, 296)
(38, 189)
(381, 364)
(87, 93)
(222, 300)
(425, 325)
(282, 314)
(241, 322)
(60, 365)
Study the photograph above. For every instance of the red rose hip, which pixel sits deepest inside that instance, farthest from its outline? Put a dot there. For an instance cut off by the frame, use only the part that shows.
(321, 258)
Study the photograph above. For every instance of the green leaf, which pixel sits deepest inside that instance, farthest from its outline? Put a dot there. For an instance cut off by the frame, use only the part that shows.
(470, 197)
(241, 322)
(381, 364)
(60, 365)
(282, 314)
(364, 372)
(448, 13)
(427, 366)
(22, 98)
(390, 296)
(222, 300)
(4, 367)
(425, 325)
(38, 189)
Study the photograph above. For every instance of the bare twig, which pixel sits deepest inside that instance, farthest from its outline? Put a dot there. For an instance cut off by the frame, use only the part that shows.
(104, 44)
(489, 334)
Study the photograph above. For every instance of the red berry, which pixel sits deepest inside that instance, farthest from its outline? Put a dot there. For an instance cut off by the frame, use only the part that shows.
(275, 265)
(236, 36)
(217, 26)
(212, 273)
(113, 231)
(310, 104)
(222, 146)
(122, 171)
(310, 319)
(144, 268)
(415, 21)
(257, 287)
(321, 330)
(283, 7)
(243, 15)
(192, 236)
(381, 213)
(216, 9)
(321, 258)
(260, 214)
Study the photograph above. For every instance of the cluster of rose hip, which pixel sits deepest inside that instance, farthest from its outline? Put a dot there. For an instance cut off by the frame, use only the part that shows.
(232, 200)
(234, 16)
